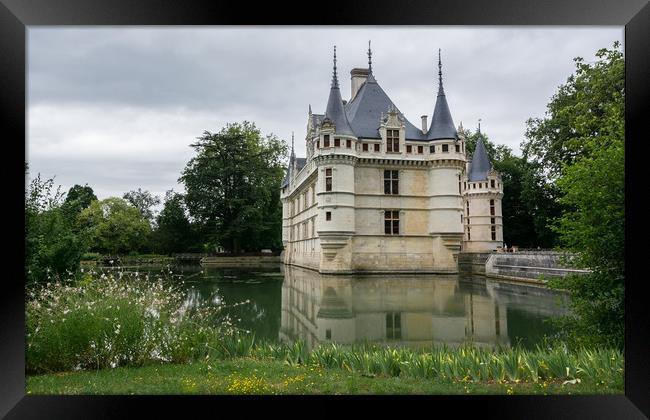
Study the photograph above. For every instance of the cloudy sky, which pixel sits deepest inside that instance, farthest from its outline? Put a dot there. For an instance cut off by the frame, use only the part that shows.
(117, 107)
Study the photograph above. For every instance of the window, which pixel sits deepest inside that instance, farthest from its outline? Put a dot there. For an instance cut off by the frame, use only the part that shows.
(348, 144)
(328, 179)
(420, 149)
(376, 147)
(365, 147)
(474, 185)
(391, 222)
(432, 149)
(445, 148)
(318, 144)
(458, 148)
(392, 141)
(467, 206)
(494, 233)
(304, 230)
(337, 142)
(328, 215)
(409, 148)
(469, 235)
(313, 228)
(393, 326)
(313, 194)
(491, 207)
(464, 185)
(326, 140)
(492, 220)
(491, 183)
(391, 182)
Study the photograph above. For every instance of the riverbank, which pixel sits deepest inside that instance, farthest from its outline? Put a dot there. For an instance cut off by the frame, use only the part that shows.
(255, 376)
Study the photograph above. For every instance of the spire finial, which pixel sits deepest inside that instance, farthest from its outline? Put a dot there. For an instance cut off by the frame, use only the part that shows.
(335, 79)
(292, 143)
(369, 58)
(479, 126)
(309, 109)
(440, 89)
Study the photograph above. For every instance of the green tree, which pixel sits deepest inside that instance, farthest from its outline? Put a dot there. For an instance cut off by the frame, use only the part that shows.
(52, 248)
(233, 184)
(581, 146)
(174, 231)
(78, 198)
(114, 226)
(143, 201)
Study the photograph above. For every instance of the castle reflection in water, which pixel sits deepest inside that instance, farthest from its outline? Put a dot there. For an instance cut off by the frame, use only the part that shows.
(413, 310)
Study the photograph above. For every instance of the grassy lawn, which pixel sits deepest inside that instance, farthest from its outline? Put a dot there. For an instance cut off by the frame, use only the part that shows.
(254, 376)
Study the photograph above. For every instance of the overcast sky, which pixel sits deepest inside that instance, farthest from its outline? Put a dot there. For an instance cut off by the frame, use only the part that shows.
(117, 107)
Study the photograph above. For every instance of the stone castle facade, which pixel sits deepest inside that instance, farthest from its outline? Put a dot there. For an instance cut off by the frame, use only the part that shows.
(377, 194)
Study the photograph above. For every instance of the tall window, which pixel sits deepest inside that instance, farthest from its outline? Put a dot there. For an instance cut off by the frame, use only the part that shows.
(313, 228)
(326, 140)
(391, 222)
(494, 233)
(393, 326)
(458, 148)
(467, 206)
(337, 142)
(377, 147)
(445, 148)
(469, 235)
(391, 182)
(491, 183)
(491, 207)
(328, 215)
(392, 141)
(328, 179)
(420, 149)
(432, 149)
(348, 144)
(313, 194)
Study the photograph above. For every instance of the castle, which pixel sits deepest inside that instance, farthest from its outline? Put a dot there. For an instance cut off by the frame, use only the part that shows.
(377, 194)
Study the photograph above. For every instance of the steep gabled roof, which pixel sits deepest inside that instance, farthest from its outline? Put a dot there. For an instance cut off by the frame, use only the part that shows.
(365, 110)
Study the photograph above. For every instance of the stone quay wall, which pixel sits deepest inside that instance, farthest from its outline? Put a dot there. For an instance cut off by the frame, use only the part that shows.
(533, 266)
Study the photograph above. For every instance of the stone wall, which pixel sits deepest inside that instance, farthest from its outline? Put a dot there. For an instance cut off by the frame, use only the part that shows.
(242, 261)
(533, 265)
(472, 262)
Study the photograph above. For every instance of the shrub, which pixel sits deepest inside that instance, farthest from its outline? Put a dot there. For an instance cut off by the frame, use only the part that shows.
(114, 320)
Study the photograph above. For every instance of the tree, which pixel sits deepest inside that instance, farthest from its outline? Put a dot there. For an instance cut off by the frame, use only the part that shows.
(173, 232)
(233, 187)
(143, 201)
(114, 226)
(590, 173)
(51, 246)
(78, 198)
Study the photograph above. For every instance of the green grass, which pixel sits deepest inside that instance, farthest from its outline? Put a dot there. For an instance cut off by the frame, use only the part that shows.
(255, 376)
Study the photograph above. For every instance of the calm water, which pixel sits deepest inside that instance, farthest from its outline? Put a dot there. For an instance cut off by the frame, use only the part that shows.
(288, 303)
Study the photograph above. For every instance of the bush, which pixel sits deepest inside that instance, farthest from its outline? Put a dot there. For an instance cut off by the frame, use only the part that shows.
(117, 320)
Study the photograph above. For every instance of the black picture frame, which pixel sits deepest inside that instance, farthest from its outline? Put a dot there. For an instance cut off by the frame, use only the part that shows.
(16, 15)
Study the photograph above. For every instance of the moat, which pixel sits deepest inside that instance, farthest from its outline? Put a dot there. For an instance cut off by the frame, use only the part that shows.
(288, 303)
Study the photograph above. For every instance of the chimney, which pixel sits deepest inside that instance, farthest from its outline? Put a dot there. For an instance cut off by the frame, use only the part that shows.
(424, 124)
(358, 76)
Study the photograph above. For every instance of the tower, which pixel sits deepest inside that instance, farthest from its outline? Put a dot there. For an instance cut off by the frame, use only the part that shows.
(483, 191)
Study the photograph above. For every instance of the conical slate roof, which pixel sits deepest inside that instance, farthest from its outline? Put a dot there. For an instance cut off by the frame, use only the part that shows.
(335, 111)
(480, 165)
(365, 110)
(442, 125)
